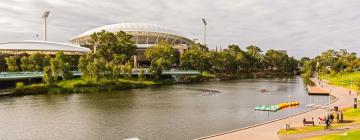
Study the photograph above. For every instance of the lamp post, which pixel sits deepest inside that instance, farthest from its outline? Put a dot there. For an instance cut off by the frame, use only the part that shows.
(45, 16)
(205, 23)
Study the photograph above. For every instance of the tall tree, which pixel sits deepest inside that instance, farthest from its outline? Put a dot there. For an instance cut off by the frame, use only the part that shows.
(109, 45)
(127, 70)
(253, 56)
(47, 75)
(2, 62)
(38, 61)
(66, 73)
(161, 56)
(195, 58)
(26, 64)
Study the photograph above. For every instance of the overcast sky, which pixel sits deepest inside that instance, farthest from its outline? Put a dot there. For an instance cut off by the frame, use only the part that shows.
(302, 27)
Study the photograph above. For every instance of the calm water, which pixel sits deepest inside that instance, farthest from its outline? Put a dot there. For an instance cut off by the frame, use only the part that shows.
(168, 112)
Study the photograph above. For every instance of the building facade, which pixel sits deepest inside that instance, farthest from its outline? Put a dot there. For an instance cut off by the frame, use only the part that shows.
(144, 36)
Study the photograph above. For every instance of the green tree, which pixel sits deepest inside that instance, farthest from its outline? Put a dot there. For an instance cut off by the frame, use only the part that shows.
(161, 57)
(20, 85)
(215, 61)
(96, 70)
(195, 58)
(127, 70)
(66, 73)
(47, 75)
(12, 63)
(46, 60)
(117, 72)
(26, 64)
(55, 65)
(253, 56)
(308, 69)
(276, 60)
(161, 50)
(108, 45)
(38, 61)
(141, 75)
(2, 62)
(84, 62)
(158, 66)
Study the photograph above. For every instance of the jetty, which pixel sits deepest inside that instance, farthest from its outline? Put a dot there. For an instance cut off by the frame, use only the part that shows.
(316, 90)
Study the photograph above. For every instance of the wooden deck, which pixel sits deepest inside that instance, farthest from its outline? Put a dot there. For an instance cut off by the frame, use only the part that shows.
(317, 91)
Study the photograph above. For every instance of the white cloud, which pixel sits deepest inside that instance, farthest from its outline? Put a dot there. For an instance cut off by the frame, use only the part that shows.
(303, 27)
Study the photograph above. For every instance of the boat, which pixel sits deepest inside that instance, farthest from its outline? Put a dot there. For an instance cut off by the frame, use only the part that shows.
(267, 108)
(276, 107)
(264, 90)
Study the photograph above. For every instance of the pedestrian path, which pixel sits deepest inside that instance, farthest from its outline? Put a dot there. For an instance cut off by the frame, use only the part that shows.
(269, 130)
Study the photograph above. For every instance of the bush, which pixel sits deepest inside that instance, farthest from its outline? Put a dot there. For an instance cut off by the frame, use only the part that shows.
(20, 85)
(308, 81)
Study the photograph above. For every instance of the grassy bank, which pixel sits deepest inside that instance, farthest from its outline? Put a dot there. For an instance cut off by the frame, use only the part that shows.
(83, 86)
(80, 85)
(351, 135)
(346, 80)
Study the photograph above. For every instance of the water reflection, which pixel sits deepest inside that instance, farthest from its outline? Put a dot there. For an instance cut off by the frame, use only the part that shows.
(167, 112)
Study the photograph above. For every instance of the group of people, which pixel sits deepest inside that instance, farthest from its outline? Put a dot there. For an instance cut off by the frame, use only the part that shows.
(329, 118)
(208, 92)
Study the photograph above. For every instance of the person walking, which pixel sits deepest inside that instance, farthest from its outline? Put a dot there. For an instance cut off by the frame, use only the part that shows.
(341, 117)
(327, 123)
(331, 117)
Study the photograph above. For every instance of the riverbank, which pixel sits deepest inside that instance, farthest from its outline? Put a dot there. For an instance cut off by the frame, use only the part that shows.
(265, 74)
(79, 85)
(346, 80)
(269, 130)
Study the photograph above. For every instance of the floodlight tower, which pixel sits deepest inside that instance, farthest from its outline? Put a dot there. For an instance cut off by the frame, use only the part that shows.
(205, 23)
(45, 16)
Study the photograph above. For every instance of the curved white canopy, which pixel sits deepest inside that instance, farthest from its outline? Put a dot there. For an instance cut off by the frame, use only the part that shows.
(41, 46)
(128, 27)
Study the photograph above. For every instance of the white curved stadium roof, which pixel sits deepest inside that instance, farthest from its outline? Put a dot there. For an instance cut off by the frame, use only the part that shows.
(126, 27)
(41, 46)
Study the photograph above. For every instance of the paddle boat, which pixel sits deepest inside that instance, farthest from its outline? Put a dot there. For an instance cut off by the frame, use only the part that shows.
(276, 107)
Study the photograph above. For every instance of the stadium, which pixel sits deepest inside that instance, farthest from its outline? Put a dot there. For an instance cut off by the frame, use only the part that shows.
(43, 47)
(144, 36)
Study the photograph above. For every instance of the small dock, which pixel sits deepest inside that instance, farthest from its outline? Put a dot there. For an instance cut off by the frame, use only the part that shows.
(317, 91)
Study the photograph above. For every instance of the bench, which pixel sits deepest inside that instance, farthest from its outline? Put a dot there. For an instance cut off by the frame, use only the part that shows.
(305, 122)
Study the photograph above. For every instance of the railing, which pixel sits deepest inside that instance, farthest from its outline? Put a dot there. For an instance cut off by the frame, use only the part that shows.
(23, 75)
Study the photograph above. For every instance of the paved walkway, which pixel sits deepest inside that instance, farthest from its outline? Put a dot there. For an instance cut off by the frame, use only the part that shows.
(268, 131)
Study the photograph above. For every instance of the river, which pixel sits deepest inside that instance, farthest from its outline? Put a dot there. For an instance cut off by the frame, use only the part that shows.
(158, 113)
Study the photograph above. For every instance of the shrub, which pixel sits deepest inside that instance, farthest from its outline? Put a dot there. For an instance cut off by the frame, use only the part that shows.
(308, 81)
(20, 85)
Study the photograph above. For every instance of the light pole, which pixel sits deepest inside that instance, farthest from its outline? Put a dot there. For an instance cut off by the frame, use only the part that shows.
(45, 16)
(205, 23)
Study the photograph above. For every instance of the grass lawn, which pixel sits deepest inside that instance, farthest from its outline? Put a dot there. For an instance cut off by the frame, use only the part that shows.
(349, 114)
(351, 135)
(346, 80)
(299, 130)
